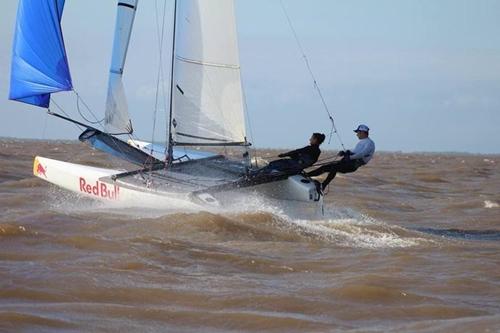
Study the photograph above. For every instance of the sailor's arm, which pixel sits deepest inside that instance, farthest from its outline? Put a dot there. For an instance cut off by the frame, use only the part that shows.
(359, 151)
(292, 152)
(363, 150)
(286, 154)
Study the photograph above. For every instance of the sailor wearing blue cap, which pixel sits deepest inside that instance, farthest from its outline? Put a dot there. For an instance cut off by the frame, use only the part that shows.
(351, 159)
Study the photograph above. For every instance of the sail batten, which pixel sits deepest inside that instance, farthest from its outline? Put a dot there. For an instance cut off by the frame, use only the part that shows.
(208, 100)
(117, 119)
(39, 63)
(205, 63)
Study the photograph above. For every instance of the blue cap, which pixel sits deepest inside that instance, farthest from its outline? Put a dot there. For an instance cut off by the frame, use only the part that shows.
(362, 128)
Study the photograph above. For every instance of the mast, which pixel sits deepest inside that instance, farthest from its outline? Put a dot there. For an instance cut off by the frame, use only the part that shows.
(170, 149)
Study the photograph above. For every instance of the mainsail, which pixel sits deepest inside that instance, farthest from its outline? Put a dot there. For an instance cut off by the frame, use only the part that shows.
(117, 119)
(207, 96)
(39, 63)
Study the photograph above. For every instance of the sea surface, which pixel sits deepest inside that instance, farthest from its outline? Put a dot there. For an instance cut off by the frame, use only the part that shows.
(409, 243)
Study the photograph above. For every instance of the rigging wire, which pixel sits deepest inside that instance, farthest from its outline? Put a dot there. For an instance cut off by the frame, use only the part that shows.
(313, 77)
(44, 125)
(78, 126)
(78, 99)
(64, 112)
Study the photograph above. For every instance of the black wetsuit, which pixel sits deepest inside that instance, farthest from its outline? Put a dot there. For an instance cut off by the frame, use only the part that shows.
(299, 159)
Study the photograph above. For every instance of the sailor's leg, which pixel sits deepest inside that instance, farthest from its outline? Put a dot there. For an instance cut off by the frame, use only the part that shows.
(294, 168)
(279, 164)
(348, 166)
(273, 165)
(340, 166)
(319, 171)
(329, 178)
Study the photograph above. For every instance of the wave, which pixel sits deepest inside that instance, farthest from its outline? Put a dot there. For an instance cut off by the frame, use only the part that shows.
(17, 321)
(22, 183)
(482, 235)
(430, 178)
(365, 233)
(13, 230)
(253, 218)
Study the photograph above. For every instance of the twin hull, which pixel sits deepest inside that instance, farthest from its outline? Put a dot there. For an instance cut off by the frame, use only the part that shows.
(97, 183)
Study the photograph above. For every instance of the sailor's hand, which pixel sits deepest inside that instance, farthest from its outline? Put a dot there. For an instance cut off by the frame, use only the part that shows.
(341, 153)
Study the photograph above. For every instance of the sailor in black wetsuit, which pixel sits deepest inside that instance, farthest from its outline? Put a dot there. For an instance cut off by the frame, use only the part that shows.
(299, 159)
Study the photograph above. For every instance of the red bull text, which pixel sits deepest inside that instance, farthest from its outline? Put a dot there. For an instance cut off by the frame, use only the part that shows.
(99, 189)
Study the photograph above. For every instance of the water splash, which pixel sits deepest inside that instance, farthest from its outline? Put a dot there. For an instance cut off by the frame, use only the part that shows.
(347, 228)
(490, 204)
(340, 226)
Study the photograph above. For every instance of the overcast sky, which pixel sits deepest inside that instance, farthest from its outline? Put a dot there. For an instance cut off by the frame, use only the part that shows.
(423, 74)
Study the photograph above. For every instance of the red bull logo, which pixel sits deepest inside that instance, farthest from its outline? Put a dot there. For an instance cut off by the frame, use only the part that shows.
(39, 170)
(100, 189)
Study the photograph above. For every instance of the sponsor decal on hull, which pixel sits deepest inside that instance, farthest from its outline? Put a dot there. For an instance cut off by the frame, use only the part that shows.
(100, 189)
(38, 169)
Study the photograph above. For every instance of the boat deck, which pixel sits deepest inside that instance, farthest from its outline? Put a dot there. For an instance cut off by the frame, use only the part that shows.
(186, 177)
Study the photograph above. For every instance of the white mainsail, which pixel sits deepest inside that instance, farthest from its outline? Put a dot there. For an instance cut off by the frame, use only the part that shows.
(207, 95)
(117, 119)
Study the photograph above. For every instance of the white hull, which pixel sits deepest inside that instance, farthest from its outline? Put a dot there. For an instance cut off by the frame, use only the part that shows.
(97, 183)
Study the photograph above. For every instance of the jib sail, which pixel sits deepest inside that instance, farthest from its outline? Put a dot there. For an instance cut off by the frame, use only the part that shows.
(117, 119)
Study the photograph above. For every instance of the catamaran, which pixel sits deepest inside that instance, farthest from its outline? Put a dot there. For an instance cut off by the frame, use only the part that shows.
(206, 110)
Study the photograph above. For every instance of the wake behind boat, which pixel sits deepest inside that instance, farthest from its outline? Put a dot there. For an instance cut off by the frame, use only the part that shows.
(206, 110)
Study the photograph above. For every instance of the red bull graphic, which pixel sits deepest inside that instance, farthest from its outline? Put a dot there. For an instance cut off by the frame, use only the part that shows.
(100, 189)
(39, 170)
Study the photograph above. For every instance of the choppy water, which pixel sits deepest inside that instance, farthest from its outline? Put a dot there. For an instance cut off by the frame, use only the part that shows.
(408, 243)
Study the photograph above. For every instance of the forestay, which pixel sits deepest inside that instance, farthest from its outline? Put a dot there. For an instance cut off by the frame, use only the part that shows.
(117, 119)
(39, 63)
(207, 95)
